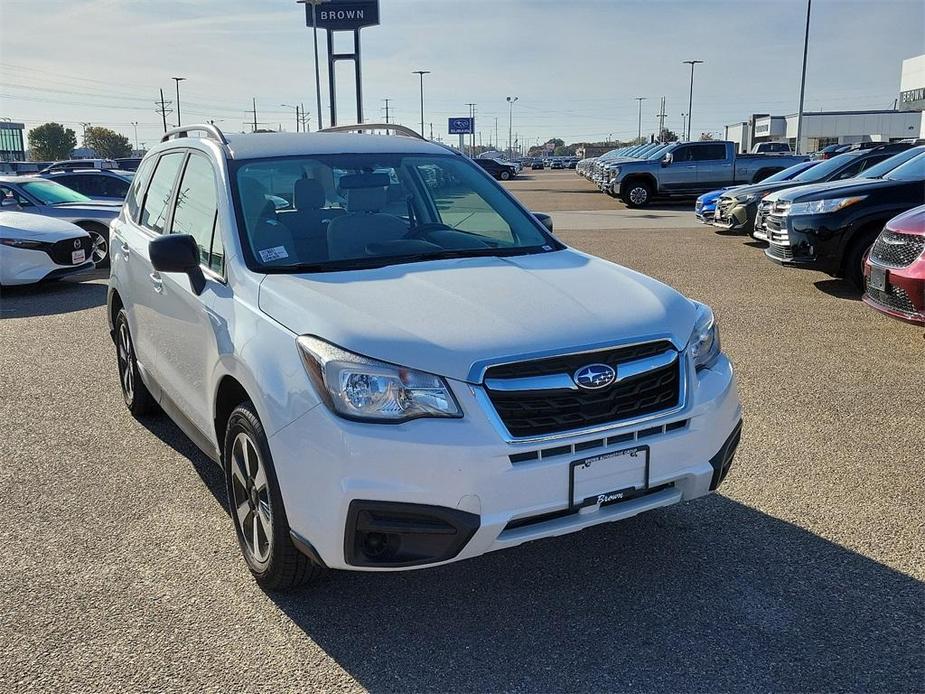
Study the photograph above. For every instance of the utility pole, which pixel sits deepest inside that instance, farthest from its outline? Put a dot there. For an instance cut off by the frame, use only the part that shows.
(178, 80)
(85, 126)
(431, 131)
(297, 117)
(690, 102)
(683, 124)
(809, 5)
(421, 74)
(497, 144)
(304, 118)
(135, 125)
(162, 109)
(640, 99)
(661, 120)
(386, 109)
(510, 125)
(255, 113)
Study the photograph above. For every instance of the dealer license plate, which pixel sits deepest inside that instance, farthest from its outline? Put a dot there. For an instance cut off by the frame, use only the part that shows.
(608, 476)
(877, 278)
(77, 257)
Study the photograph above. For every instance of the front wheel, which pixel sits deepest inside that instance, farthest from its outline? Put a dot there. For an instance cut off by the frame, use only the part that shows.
(256, 506)
(504, 175)
(637, 194)
(134, 392)
(100, 241)
(854, 261)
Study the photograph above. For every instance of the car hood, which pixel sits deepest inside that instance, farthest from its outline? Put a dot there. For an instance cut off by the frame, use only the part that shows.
(448, 316)
(848, 187)
(33, 227)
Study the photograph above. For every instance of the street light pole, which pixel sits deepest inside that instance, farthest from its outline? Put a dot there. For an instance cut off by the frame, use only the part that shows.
(313, 3)
(296, 114)
(640, 99)
(421, 74)
(135, 125)
(809, 5)
(178, 80)
(690, 101)
(510, 126)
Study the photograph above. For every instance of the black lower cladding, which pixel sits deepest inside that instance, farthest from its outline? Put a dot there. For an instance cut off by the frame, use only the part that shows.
(393, 534)
(545, 412)
(722, 461)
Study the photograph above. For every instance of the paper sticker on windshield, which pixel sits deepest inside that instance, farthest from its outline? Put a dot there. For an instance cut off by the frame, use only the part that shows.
(268, 255)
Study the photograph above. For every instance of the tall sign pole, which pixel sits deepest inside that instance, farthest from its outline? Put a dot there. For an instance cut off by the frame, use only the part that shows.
(421, 73)
(334, 16)
(809, 6)
(690, 101)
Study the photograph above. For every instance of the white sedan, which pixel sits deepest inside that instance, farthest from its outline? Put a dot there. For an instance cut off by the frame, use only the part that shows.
(34, 248)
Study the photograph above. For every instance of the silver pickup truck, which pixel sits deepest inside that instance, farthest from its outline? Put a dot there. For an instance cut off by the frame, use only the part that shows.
(687, 169)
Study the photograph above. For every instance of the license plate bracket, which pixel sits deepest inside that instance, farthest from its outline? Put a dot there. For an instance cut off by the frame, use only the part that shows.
(78, 257)
(877, 278)
(608, 476)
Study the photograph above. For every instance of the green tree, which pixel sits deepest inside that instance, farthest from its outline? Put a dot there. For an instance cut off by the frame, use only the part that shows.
(107, 143)
(51, 141)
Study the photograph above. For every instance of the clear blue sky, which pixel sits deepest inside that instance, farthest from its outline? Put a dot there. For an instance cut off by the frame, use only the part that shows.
(576, 66)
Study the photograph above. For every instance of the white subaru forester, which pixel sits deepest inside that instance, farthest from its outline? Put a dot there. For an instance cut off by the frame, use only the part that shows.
(395, 363)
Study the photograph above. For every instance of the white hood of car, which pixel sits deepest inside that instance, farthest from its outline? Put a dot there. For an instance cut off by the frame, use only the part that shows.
(34, 227)
(446, 316)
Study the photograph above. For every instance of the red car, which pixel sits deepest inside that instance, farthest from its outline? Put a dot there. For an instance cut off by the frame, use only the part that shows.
(894, 274)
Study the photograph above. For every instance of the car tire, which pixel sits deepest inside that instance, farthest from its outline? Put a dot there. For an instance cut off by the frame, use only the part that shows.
(256, 506)
(638, 194)
(504, 175)
(853, 268)
(135, 393)
(100, 238)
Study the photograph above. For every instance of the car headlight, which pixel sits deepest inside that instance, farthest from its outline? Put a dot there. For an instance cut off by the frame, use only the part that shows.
(24, 243)
(703, 345)
(616, 171)
(824, 206)
(749, 198)
(357, 387)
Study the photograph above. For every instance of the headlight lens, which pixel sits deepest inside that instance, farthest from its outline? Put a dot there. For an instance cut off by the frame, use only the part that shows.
(358, 387)
(824, 206)
(616, 171)
(704, 344)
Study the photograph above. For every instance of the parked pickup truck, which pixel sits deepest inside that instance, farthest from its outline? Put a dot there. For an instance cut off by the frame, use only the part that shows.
(688, 169)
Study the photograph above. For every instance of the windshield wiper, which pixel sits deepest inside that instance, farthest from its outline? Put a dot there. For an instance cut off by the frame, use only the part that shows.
(386, 260)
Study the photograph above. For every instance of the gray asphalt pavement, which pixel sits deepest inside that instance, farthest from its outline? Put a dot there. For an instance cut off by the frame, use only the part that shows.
(120, 570)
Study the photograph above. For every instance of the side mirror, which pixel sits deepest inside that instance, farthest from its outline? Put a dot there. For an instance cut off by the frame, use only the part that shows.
(178, 253)
(667, 159)
(9, 202)
(545, 220)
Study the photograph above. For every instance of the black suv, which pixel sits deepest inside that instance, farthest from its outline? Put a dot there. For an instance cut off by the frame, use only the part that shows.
(830, 227)
(499, 170)
(98, 184)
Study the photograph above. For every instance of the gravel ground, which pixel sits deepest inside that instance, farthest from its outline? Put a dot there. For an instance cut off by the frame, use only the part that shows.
(120, 570)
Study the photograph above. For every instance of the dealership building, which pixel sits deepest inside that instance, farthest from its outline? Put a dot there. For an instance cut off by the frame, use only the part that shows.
(822, 128)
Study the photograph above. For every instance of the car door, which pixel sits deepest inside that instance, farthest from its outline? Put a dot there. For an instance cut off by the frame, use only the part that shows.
(131, 263)
(714, 165)
(681, 173)
(186, 339)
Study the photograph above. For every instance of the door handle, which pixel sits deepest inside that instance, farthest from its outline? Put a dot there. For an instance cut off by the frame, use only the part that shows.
(126, 251)
(157, 282)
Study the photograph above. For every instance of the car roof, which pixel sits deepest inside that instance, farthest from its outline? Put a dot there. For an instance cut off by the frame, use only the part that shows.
(21, 179)
(258, 145)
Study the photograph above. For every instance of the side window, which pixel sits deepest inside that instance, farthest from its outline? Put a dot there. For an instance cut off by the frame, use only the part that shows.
(10, 193)
(715, 152)
(870, 161)
(196, 210)
(135, 196)
(74, 183)
(855, 167)
(114, 187)
(157, 201)
(682, 154)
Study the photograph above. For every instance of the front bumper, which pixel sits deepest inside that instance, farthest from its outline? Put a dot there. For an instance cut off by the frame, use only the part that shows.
(28, 266)
(735, 217)
(804, 241)
(518, 492)
(903, 296)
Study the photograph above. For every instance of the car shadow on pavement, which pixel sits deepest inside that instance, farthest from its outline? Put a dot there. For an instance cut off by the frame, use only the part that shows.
(713, 595)
(839, 288)
(51, 298)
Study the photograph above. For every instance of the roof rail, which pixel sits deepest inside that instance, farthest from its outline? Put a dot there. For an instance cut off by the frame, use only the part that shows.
(211, 131)
(363, 127)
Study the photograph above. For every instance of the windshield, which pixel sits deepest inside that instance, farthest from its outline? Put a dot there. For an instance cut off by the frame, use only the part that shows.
(657, 153)
(51, 193)
(912, 170)
(349, 211)
(887, 165)
(790, 172)
(822, 170)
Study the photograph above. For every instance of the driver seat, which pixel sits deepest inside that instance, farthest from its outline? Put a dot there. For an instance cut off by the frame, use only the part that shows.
(364, 223)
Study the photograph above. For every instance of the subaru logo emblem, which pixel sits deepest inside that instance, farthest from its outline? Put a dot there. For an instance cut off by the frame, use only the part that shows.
(594, 376)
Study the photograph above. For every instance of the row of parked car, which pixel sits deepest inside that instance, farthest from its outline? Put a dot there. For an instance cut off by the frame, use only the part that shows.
(858, 215)
(63, 211)
(640, 174)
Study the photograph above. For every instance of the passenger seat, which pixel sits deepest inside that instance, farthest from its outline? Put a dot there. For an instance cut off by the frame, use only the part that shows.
(349, 235)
